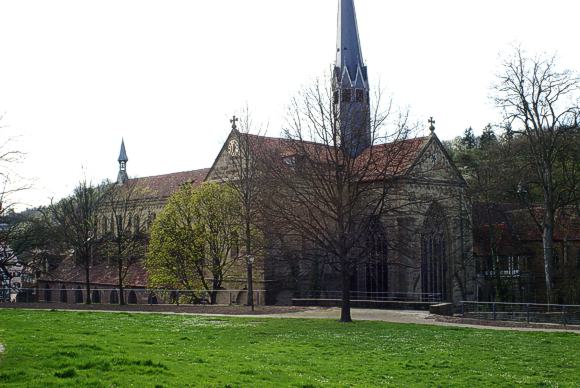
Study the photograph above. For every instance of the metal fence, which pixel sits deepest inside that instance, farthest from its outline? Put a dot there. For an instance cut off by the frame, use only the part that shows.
(133, 296)
(522, 312)
(374, 296)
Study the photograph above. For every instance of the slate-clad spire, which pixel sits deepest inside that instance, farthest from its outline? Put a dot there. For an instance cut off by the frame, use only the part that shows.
(123, 154)
(349, 59)
(122, 177)
(351, 87)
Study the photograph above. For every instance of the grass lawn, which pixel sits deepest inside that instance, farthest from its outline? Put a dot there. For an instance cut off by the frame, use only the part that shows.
(78, 349)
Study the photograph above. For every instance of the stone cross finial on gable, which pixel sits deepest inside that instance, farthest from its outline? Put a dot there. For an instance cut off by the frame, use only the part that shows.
(432, 124)
(234, 120)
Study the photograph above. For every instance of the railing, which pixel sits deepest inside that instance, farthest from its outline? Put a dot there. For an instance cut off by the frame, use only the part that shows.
(522, 312)
(112, 296)
(374, 296)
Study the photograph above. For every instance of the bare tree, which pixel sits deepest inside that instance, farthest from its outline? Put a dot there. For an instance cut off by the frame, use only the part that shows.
(10, 184)
(326, 186)
(126, 238)
(77, 219)
(540, 102)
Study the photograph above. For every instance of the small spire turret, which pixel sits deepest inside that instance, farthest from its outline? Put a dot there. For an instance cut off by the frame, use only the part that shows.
(122, 176)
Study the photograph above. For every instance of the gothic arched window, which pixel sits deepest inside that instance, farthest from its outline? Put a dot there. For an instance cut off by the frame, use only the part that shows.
(434, 252)
(372, 280)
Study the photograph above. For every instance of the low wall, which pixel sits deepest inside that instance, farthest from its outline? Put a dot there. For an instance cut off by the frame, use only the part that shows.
(445, 309)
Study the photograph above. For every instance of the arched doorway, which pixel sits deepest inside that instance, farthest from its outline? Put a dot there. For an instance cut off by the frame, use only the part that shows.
(132, 297)
(79, 296)
(434, 255)
(47, 293)
(152, 299)
(114, 297)
(63, 295)
(96, 296)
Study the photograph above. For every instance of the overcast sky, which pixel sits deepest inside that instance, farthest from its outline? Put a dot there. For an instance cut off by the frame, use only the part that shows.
(76, 76)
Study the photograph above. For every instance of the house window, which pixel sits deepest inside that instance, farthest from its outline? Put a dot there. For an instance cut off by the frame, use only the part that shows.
(335, 97)
(360, 95)
(290, 161)
(346, 95)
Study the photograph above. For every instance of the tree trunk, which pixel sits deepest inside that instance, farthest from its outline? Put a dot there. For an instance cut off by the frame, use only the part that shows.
(248, 254)
(216, 285)
(345, 305)
(88, 281)
(548, 246)
(121, 288)
(250, 286)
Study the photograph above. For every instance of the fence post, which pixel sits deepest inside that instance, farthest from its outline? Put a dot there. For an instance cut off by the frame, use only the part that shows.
(177, 296)
(494, 312)
(462, 309)
(528, 312)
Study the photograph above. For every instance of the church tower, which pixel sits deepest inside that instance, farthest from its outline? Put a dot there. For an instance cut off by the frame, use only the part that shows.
(350, 83)
(122, 177)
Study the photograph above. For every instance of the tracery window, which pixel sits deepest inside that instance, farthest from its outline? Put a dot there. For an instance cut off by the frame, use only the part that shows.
(372, 280)
(434, 251)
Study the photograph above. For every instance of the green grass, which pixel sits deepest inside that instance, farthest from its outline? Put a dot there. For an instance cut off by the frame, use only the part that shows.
(78, 349)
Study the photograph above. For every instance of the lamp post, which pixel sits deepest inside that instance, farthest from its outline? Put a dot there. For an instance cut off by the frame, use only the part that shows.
(250, 262)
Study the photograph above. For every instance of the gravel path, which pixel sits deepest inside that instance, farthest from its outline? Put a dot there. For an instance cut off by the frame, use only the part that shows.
(422, 318)
(393, 316)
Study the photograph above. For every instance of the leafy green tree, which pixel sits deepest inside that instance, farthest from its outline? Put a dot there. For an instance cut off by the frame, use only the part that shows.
(194, 238)
(468, 140)
(487, 138)
(34, 238)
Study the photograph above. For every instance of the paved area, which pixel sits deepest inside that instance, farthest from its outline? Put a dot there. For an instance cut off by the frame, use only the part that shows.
(415, 317)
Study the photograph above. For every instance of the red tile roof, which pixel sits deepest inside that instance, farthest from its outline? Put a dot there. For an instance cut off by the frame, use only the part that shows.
(510, 227)
(394, 158)
(162, 186)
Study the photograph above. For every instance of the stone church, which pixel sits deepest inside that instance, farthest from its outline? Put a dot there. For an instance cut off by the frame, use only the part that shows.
(424, 252)
(426, 249)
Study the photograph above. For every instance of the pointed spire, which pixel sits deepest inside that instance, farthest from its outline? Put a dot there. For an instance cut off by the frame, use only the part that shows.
(122, 176)
(348, 49)
(123, 154)
(351, 86)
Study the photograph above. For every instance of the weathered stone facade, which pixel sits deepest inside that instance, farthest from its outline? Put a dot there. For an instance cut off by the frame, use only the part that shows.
(429, 239)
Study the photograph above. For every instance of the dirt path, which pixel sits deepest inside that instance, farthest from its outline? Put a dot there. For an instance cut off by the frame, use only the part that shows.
(421, 318)
(393, 316)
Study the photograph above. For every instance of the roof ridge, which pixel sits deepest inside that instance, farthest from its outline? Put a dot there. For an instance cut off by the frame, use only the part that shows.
(171, 173)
